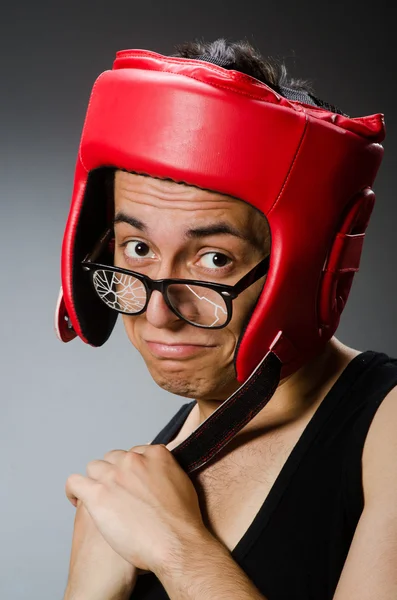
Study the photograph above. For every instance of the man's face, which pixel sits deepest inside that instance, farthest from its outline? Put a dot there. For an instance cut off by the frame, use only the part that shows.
(169, 230)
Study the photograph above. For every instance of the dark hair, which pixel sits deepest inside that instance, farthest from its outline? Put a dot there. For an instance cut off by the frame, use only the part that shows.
(242, 56)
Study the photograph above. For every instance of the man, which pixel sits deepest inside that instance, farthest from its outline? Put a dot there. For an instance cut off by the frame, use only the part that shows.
(224, 219)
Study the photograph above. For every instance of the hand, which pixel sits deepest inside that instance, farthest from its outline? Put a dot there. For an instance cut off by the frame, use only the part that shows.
(142, 502)
(96, 571)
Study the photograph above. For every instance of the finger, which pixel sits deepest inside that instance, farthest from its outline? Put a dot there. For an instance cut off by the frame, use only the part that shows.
(124, 459)
(75, 502)
(100, 469)
(115, 456)
(78, 487)
(149, 449)
(138, 449)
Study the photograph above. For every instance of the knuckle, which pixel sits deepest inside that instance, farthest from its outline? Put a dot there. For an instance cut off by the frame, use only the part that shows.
(111, 476)
(159, 450)
(134, 463)
(132, 458)
(70, 484)
(91, 468)
(111, 454)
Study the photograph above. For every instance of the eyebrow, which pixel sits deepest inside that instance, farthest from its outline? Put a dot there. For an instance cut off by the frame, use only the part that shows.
(220, 228)
(134, 222)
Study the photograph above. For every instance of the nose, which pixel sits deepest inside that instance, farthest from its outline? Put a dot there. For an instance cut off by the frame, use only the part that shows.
(158, 314)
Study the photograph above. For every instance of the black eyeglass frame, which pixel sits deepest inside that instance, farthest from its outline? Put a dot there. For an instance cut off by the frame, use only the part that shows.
(228, 292)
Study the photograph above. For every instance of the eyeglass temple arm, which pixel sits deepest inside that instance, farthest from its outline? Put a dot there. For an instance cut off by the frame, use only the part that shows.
(256, 273)
(103, 240)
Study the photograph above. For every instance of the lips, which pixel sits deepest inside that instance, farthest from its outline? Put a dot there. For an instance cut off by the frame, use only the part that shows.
(175, 350)
(176, 343)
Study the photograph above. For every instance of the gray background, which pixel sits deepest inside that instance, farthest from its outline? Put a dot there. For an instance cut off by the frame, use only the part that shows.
(64, 405)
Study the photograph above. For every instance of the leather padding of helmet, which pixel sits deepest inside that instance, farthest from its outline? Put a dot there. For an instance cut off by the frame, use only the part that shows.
(96, 319)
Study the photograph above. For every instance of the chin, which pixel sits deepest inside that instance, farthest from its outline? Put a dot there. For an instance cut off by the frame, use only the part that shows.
(204, 384)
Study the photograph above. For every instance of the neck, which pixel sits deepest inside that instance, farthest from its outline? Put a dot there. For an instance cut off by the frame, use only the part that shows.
(297, 394)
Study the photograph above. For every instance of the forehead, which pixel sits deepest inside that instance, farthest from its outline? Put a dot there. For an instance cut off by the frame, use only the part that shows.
(153, 195)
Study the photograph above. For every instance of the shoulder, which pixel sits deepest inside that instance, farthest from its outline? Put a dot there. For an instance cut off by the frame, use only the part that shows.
(379, 458)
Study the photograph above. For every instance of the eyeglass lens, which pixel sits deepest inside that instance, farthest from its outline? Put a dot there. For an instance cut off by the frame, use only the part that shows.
(195, 303)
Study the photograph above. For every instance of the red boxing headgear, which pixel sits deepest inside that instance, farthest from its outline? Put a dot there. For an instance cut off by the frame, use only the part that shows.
(308, 170)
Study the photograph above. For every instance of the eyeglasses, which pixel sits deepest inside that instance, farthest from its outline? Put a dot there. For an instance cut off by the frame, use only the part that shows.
(200, 303)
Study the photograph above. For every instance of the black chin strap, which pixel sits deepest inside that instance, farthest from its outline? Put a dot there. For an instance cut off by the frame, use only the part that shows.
(231, 416)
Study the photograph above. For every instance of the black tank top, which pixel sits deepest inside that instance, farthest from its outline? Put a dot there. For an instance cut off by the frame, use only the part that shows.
(297, 544)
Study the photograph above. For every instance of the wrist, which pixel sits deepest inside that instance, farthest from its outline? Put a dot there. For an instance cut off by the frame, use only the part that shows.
(185, 550)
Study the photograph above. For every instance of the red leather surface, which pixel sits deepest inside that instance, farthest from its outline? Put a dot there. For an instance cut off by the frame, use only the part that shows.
(68, 247)
(176, 127)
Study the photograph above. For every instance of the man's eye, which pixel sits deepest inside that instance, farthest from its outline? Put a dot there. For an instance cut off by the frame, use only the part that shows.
(213, 260)
(137, 249)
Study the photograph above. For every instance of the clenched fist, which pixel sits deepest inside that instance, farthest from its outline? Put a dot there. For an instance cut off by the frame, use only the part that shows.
(142, 502)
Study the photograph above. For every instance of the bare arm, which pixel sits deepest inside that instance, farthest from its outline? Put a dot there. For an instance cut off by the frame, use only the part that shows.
(96, 571)
(370, 571)
(204, 568)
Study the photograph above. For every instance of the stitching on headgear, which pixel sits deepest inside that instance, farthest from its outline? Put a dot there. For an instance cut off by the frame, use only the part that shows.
(292, 164)
(237, 75)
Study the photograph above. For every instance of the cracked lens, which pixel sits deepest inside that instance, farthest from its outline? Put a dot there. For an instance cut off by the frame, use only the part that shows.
(195, 303)
(120, 291)
(198, 304)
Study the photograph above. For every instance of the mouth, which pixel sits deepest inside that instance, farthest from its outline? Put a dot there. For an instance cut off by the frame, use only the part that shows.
(175, 351)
